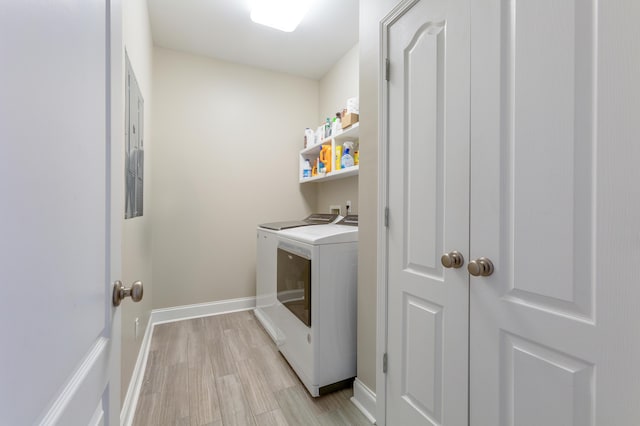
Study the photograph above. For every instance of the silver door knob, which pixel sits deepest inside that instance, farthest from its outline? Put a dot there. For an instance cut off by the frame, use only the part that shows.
(120, 292)
(481, 267)
(453, 259)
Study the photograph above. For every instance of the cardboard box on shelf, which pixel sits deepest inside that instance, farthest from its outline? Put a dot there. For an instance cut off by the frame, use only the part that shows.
(349, 119)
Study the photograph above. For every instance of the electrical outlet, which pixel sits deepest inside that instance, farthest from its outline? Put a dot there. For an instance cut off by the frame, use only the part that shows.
(348, 205)
(136, 327)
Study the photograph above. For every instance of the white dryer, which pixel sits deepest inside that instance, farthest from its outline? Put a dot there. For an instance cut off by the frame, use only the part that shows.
(310, 310)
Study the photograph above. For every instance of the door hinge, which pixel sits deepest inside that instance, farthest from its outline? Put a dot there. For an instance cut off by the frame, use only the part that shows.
(386, 217)
(387, 67)
(384, 363)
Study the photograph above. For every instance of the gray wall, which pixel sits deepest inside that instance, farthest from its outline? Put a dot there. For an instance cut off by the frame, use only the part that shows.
(136, 233)
(371, 13)
(225, 143)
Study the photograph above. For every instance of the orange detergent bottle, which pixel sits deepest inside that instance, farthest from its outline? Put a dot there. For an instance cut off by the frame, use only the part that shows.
(325, 157)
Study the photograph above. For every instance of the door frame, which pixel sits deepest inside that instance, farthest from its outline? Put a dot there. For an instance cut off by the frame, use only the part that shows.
(383, 202)
(115, 189)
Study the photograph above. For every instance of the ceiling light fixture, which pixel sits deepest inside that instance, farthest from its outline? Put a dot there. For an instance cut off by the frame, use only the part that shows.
(283, 15)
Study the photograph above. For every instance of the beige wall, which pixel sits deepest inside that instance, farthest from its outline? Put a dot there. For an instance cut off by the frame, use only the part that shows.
(337, 192)
(225, 144)
(336, 86)
(136, 234)
(371, 13)
(339, 84)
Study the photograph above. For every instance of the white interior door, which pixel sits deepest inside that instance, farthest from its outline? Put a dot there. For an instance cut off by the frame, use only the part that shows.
(59, 241)
(554, 331)
(428, 200)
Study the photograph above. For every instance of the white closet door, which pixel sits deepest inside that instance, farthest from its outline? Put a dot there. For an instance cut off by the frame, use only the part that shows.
(554, 331)
(428, 94)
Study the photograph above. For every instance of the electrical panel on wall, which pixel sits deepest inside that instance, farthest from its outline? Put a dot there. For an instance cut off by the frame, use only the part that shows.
(134, 146)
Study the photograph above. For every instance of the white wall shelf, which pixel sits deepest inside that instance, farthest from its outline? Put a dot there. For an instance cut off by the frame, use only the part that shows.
(338, 174)
(311, 153)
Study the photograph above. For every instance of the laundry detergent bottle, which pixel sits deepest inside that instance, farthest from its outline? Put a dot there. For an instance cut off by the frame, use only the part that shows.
(306, 169)
(325, 157)
(347, 158)
(338, 157)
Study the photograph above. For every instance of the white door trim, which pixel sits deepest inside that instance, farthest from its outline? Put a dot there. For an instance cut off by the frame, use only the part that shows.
(383, 202)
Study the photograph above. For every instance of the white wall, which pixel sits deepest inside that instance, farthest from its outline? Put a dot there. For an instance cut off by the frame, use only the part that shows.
(336, 86)
(226, 138)
(136, 236)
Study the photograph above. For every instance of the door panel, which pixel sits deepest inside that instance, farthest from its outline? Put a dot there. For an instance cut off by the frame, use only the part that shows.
(423, 149)
(422, 356)
(547, 153)
(545, 332)
(558, 382)
(428, 155)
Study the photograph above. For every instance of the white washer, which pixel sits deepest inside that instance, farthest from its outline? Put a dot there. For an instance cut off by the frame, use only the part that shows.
(312, 320)
(267, 243)
(267, 247)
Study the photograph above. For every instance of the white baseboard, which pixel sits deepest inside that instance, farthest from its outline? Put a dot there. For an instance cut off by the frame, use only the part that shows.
(364, 399)
(179, 313)
(161, 316)
(130, 402)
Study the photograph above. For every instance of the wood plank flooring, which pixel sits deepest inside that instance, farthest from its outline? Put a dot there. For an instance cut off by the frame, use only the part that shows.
(224, 370)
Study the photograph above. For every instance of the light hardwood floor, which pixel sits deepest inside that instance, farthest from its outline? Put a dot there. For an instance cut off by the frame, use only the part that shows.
(225, 370)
